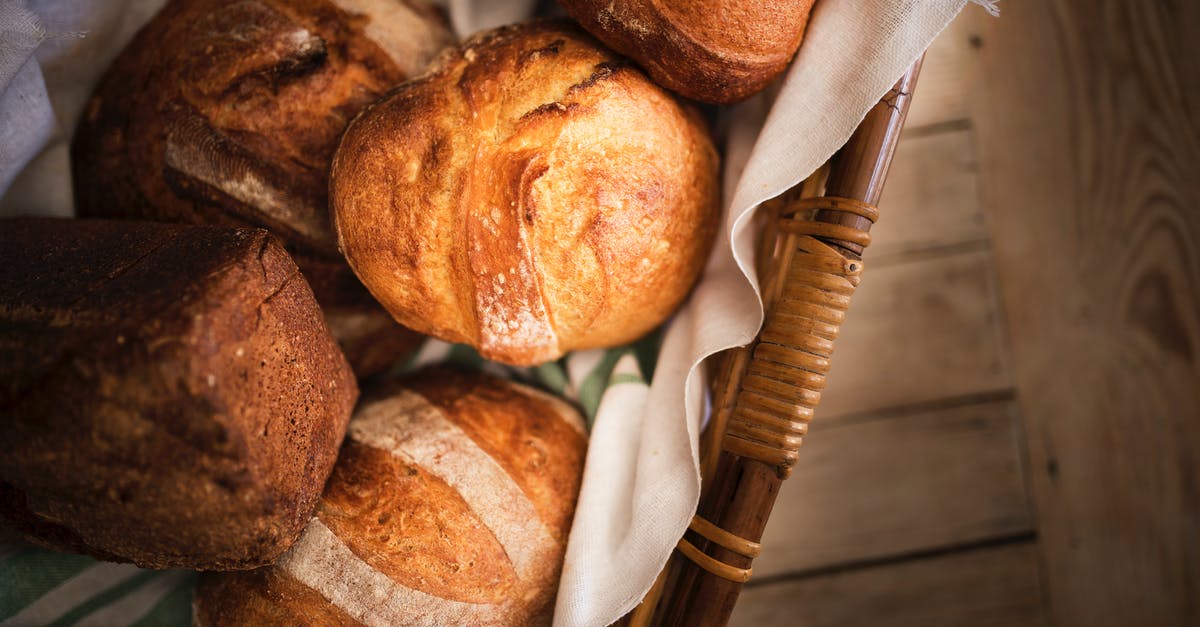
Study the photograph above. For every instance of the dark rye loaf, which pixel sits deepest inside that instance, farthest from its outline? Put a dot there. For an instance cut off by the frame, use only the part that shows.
(169, 395)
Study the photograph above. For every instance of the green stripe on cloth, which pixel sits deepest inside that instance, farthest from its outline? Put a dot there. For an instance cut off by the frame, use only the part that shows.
(646, 350)
(136, 604)
(104, 598)
(173, 610)
(552, 376)
(464, 355)
(625, 377)
(30, 573)
(596, 382)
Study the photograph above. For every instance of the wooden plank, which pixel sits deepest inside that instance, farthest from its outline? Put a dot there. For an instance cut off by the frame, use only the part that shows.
(1089, 141)
(916, 332)
(990, 587)
(931, 199)
(889, 486)
(950, 71)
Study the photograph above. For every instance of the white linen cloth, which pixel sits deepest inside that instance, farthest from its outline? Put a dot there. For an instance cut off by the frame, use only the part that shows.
(641, 483)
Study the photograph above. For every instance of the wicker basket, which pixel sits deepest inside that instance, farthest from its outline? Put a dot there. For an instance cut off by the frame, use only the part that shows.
(764, 394)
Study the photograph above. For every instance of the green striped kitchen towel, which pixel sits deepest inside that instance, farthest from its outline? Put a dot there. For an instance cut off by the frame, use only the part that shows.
(41, 587)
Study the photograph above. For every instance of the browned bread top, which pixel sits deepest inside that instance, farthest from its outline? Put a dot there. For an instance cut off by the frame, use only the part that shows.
(450, 504)
(532, 194)
(718, 51)
(171, 395)
(228, 114)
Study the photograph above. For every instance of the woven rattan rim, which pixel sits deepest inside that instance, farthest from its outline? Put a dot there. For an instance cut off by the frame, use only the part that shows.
(735, 543)
(786, 374)
(835, 203)
(794, 221)
(712, 564)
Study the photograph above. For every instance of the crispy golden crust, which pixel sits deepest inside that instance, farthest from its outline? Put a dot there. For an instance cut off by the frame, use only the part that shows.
(263, 597)
(532, 194)
(522, 429)
(444, 535)
(718, 51)
(228, 114)
(171, 395)
(413, 527)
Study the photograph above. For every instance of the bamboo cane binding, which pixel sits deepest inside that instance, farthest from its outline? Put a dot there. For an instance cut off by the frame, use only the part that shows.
(787, 373)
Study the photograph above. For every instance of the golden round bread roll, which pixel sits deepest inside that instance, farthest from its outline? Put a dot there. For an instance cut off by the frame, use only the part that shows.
(531, 194)
(229, 113)
(449, 505)
(718, 51)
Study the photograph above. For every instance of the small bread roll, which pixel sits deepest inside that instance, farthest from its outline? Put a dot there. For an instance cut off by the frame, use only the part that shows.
(228, 114)
(169, 395)
(718, 51)
(532, 194)
(450, 505)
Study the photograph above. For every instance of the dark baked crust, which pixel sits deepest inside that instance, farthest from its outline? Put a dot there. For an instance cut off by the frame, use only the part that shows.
(532, 194)
(718, 51)
(228, 114)
(169, 395)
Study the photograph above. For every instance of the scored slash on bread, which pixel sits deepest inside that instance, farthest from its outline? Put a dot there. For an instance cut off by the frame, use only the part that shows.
(228, 114)
(532, 194)
(450, 504)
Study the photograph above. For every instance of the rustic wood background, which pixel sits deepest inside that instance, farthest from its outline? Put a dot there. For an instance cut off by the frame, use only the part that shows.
(1011, 435)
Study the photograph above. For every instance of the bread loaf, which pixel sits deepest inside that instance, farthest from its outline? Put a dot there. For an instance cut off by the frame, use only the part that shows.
(450, 505)
(228, 114)
(718, 51)
(169, 395)
(532, 194)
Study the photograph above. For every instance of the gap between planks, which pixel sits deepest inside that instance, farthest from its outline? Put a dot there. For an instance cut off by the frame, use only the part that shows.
(988, 586)
(900, 485)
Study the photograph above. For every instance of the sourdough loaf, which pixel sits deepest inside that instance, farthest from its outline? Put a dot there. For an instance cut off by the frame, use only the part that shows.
(228, 113)
(169, 395)
(532, 194)
(450, 505)
(718, 51)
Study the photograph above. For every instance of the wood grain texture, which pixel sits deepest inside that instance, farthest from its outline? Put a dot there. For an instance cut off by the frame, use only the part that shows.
(931, 199)
(1089, 138)
(918, 331)
(897, 485)
(989, 587)
(951, 70)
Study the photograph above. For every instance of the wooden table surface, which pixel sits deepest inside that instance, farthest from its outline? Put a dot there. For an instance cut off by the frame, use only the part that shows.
(1022, 449)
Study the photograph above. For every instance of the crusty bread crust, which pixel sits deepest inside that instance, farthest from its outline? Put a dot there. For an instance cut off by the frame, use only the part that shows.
(532, 194)
(169, 395)
(718, 51)
(450, 505)
(228, 114)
